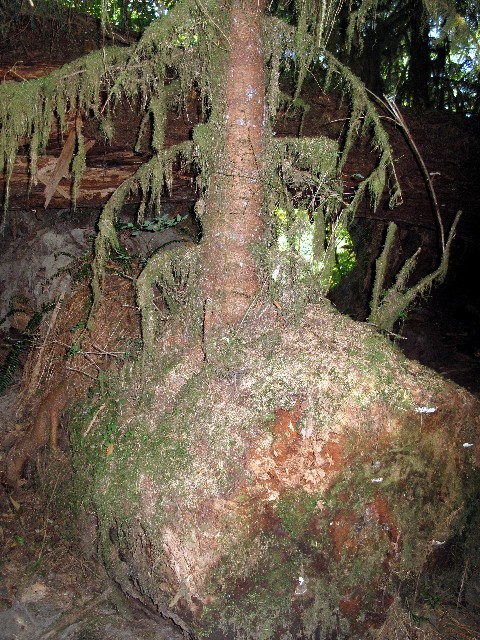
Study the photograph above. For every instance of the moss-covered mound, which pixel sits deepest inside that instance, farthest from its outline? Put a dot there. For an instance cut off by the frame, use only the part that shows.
(283, 492)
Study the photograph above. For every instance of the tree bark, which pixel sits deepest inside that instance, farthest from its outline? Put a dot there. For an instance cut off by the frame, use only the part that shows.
(419, 66)
(234, 217)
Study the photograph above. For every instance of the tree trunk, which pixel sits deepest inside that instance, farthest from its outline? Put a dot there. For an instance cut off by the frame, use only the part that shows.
(419, 67)
(233, 221)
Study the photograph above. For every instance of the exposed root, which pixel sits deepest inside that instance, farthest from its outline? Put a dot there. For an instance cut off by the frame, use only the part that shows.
(44, 429)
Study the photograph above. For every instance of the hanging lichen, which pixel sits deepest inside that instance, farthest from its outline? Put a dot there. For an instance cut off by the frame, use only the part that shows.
(364, 120)
(278, 35)
(388, 306)
(79, 161)
(173, 271)
(149, 181)
(315, 22)
(188, 48)
(28, 110)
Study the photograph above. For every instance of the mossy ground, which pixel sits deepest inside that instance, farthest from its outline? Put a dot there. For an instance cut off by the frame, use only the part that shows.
(306, 453)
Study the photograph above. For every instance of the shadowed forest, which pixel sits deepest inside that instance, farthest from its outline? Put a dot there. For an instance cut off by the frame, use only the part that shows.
(240, 338)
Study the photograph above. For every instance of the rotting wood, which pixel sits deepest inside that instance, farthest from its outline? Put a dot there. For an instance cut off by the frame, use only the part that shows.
(62, 168)
(105, 171)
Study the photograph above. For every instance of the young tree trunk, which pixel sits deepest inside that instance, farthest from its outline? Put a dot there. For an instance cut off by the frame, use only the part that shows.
(233, 221)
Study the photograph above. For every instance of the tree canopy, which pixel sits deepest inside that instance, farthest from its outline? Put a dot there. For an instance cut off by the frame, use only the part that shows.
(422, 52)
(126, 15)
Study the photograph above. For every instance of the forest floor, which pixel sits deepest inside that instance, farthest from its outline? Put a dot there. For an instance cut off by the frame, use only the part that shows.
(48, 589)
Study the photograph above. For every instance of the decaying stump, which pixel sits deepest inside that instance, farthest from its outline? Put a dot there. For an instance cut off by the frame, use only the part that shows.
(291, 486)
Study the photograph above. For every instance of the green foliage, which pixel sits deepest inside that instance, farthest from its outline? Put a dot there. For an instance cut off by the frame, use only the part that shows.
(125, 15)
(345, 258)
(154, 224)
(387, 56)
(312, 254)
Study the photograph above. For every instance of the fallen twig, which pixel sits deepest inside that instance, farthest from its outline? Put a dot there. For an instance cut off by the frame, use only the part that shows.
(390, 106)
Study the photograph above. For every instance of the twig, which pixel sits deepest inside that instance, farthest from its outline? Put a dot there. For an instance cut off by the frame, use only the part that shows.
(63, 344)
(80, 371)
(391, 107)
(75, 616)
(390, 333)
(100, 351)
(462, 583)
(35, 376)
(204, 9)
(89, 359)
(92, 421)
(423, 168)
(12, 72)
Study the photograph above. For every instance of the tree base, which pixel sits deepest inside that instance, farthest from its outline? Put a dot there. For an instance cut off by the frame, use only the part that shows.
(287, 491)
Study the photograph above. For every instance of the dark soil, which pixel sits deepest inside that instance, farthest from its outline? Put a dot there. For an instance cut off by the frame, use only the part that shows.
(443, 333)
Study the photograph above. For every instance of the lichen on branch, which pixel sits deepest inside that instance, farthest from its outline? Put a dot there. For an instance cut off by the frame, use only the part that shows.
(29, 109)
(387, 306)
(188, 49)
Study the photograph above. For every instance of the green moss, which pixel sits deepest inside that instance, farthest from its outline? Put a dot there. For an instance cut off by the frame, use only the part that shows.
(180, 466)
(79, 163)
(30, 108)
(295, 509)
(423, 488)
(270, 567)
(161, 448)
(173, 272)
(389, 306)
(258, 604)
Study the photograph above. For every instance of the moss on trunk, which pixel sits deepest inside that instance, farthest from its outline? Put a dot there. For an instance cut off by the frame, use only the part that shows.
(234, 218)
